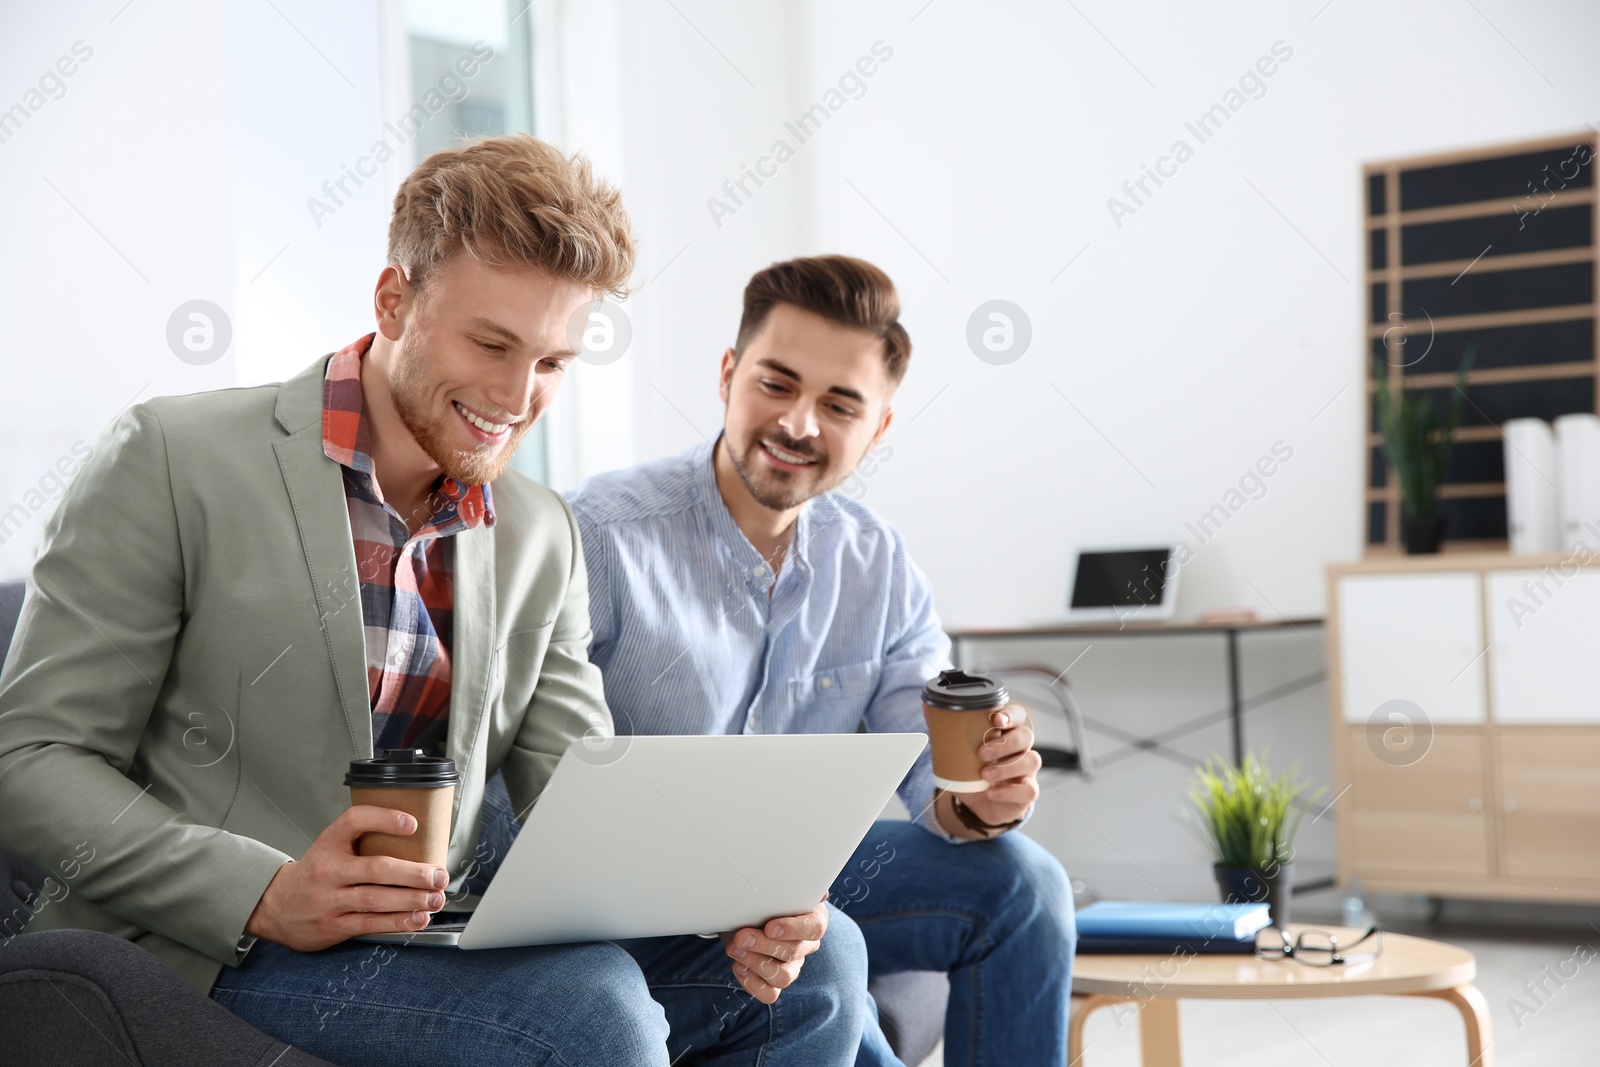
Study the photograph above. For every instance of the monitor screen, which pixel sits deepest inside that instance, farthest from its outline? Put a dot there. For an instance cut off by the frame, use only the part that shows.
(1133, 577)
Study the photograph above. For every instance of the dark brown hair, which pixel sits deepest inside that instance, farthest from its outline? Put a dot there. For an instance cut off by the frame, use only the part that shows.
(842, 289)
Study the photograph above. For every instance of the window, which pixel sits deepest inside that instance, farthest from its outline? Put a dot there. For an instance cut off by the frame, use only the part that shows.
(465, 72)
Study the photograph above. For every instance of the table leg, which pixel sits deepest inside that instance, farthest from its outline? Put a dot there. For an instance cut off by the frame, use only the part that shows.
(1474, 1011)
(1158, 1033)
(1158, 1027)
(1082, 1006)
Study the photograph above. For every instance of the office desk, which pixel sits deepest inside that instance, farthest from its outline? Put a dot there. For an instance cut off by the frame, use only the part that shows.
(1230, 631)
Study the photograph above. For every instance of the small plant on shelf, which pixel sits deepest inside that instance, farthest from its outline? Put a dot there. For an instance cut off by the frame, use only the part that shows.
(1417, 438)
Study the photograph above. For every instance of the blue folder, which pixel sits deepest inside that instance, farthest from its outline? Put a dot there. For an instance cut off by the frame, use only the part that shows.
(1163, 946)
(1202, 922)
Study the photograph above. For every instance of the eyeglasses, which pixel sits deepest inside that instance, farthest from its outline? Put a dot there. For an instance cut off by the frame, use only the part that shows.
(1318, 948)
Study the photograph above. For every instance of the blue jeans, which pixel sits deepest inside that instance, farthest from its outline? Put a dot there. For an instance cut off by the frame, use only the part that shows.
(652, 1001)
(996, 915)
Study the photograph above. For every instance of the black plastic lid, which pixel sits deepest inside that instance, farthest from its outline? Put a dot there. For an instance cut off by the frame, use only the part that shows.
(403, 767)
(961, 691)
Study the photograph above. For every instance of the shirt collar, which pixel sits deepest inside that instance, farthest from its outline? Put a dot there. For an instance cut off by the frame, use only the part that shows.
(710, 499)
(346, 440)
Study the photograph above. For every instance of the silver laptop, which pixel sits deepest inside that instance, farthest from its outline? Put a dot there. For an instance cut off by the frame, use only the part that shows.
(649, 836)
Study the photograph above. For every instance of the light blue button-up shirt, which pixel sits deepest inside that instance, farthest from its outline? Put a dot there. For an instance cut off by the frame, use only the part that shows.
(689, 641)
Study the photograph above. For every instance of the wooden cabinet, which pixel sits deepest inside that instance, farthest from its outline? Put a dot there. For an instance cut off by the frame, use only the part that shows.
(1465, 709)
(1413, 820)
(1545, 630)
(1550, 805)
(1415, 637)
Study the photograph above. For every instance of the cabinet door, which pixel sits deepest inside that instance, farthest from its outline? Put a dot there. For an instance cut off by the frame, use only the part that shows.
(1550, 804)
(1421, 818)
(1546, 661)
(1413, 637)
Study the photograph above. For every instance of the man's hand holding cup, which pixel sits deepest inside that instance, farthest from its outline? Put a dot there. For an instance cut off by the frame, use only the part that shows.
(984, 764)
(380, 867)
(1013, 771)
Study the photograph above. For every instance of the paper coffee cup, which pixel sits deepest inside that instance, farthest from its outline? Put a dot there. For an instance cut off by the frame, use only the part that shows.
(413, 782)
(957, 706)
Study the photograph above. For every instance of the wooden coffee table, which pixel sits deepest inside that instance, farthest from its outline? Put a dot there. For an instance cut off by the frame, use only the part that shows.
(1408, 966)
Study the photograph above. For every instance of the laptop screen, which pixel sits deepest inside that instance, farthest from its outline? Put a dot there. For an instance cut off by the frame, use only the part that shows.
(1133, 577)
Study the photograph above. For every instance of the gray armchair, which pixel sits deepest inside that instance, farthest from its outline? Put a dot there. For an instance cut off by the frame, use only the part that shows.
(80, 998)
(911, 1009)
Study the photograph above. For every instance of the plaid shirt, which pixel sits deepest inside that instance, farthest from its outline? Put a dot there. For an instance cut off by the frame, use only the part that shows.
(406, 591)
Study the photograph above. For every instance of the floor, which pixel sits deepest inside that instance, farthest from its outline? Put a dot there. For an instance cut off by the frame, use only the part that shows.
(1553, 1027)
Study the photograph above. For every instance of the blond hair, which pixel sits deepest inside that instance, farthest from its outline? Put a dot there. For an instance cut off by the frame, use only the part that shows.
(512, 200)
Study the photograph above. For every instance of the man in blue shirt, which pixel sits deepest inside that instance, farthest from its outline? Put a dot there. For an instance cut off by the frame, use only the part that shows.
(731, 591)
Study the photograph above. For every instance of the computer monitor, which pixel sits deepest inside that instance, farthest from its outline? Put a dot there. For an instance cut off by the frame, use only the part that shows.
(1137, 584)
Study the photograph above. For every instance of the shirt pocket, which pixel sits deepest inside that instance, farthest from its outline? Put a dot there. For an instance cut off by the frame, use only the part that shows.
(835, 687)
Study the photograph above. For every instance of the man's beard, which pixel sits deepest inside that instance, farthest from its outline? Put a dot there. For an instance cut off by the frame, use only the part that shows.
(766, 484)
(408, 389)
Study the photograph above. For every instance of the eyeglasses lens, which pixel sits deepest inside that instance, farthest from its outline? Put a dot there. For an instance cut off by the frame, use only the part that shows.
(1314, 948)
(1271, 944)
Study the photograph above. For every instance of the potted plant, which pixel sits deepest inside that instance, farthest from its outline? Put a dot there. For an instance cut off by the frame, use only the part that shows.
(1249, 819)
(1416, 442)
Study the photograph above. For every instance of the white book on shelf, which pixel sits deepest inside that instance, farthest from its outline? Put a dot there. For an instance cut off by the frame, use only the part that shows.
(1532, 511)
(1578, 484)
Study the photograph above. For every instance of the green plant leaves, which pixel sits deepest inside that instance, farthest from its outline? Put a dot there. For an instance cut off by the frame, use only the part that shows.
(1248, 817)
(1417, 438)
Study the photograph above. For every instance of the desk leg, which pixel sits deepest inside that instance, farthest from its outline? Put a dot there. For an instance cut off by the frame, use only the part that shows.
(1475, 1013)
(1158, 1028)
(1235, 699)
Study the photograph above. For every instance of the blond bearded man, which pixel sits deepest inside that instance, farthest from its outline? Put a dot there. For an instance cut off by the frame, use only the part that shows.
(341, 563)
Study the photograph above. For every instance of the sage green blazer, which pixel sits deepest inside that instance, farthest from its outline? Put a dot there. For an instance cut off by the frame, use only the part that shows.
(188, 679)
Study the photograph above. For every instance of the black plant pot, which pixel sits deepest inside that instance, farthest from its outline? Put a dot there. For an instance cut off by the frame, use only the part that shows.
(1254, 885)
(1421, 533)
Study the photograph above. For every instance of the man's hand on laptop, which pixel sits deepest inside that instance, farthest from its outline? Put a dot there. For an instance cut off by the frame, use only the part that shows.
(332, 894)
(768, 960)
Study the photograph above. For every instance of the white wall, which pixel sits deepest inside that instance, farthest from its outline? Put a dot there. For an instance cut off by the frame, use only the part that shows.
(115, 210)
(1189, 340)
(642, 89)
(175, 166)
